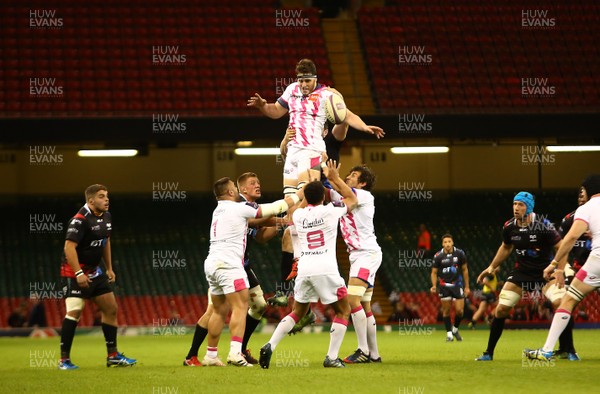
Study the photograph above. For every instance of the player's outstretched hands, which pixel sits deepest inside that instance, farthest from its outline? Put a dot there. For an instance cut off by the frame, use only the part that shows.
(256, 101)
(376, 131)
(331, 170)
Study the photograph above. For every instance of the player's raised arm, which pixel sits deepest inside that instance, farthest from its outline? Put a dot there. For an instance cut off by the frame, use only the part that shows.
(289, 134)
(280, 206)
(331, 171)
(271, 110)
(357, 123)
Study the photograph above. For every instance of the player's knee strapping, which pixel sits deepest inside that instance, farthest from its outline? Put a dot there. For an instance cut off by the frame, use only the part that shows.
(289, 190)
(74, 304)
(575, 294)
(256, 303)
(509, 298)
(553, 293)
(356, 290)
(367, 296)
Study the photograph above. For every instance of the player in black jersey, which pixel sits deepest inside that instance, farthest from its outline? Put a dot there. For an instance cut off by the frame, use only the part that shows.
(259, 231)
(534, 240)
(87, 245)
(583, 246)
(450, 267)
(579, 255)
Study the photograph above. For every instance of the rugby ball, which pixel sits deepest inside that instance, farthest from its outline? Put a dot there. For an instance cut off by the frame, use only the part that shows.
(335, 109)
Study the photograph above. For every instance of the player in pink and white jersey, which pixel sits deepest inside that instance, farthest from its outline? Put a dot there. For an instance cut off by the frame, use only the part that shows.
(224, 266)
(365, 259)
(587, 279)
(305, 102)
(318, 276)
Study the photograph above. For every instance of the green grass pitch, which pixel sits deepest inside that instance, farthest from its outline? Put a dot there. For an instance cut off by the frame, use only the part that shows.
(420, 361)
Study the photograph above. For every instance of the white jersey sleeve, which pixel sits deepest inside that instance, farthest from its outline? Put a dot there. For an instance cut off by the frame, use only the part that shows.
(335, 197)
(590, 214)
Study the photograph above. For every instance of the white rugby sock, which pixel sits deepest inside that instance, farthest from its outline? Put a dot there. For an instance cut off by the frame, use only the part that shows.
(336, 336)
(236, 345)
(372, 336)
(211, 352)
(559, 323)
(359, 319)
(283, 328)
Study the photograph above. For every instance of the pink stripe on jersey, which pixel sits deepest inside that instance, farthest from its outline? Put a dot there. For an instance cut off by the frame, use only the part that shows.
(302, 134)
(369, 314)
(560, 310)
(581, 274)
(236, 339)
(315, 109)
(239, 284)
(357, 309)
(583, 220)
(340, 321)
(342, 292)
(301, 121)
(348, 230)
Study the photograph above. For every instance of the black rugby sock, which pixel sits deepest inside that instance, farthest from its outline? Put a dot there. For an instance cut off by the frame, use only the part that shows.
(199, 336)
(457, 320)
(110, 335)
(447, 323)
(66, 337)
(495, 333)
(251, 324)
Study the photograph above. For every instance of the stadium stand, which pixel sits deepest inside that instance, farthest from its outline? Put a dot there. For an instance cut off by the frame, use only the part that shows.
(112, 59)
(207, 52)
(471, 57)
